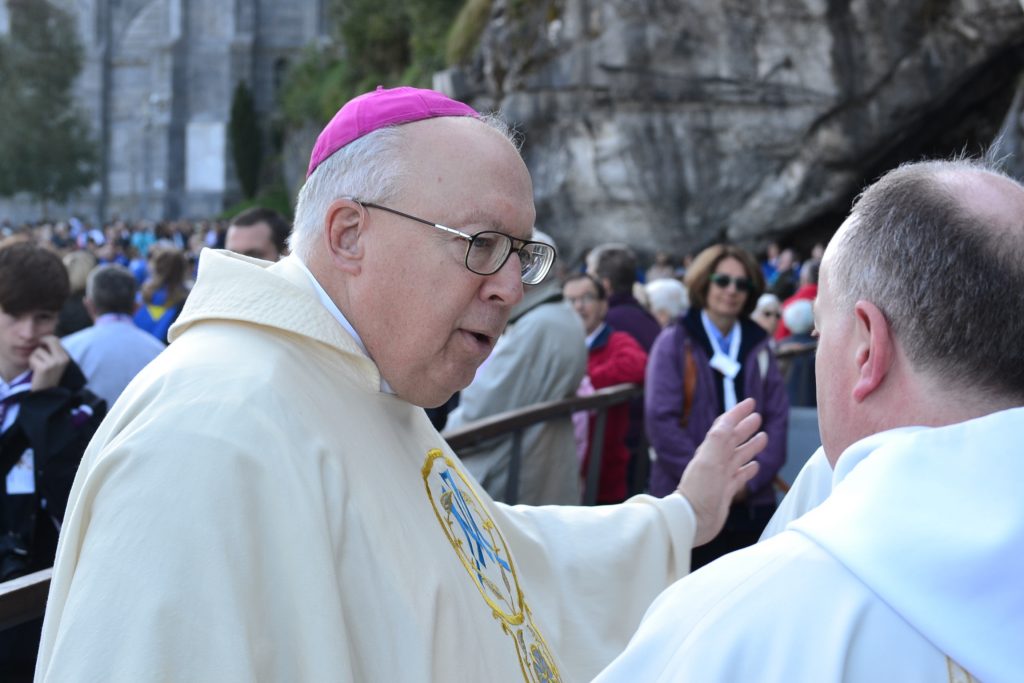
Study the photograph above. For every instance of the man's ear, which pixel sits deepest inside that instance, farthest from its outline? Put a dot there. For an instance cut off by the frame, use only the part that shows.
(874, 348)
(90, 308)
(345, 228)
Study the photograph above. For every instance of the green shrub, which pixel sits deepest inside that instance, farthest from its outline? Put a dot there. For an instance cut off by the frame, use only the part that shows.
(465, 32)
(277, 198)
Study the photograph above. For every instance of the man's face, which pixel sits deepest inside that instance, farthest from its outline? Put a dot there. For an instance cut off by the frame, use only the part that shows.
(20, 335)
(256, 240)
(767, 317)
(582, 296)
(426, 320)
(835, 366)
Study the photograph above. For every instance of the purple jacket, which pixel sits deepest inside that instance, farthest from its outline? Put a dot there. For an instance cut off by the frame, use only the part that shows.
(663, 403)
(626, 314)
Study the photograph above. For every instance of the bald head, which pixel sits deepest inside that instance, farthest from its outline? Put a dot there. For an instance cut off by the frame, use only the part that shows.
(939, 248)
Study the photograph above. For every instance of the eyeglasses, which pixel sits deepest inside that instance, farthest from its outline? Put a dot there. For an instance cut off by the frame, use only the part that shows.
(489, 250)
(587, 299)
(722, 280)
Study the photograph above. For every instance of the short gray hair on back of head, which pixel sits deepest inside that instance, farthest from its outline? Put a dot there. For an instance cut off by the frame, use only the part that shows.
(944, 275)
(370, 169)
(111, 288)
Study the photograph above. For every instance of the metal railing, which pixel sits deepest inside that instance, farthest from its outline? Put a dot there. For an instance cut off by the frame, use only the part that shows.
(516, 421)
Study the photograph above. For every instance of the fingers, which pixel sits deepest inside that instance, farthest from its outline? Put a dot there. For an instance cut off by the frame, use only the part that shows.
(748, 450)
(48, 363)
(736, 426)
(746, 473)
(747, 427)
(52, 344)
(737, 413)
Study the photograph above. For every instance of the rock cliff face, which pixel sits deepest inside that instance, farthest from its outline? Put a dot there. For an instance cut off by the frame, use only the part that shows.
(675, 123)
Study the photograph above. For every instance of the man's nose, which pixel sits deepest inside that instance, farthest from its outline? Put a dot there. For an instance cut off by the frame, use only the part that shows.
(506, 285)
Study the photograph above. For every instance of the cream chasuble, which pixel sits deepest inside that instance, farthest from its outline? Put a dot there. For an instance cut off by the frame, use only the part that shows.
(256, 509)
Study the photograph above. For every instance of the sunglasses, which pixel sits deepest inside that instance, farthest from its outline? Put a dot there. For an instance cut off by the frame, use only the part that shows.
(722, 280)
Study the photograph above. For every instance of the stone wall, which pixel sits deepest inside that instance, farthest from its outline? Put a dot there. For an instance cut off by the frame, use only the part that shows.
(676, 123)
(156, 84)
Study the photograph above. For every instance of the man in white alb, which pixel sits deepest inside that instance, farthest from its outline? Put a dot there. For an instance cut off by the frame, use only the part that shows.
(910, 569)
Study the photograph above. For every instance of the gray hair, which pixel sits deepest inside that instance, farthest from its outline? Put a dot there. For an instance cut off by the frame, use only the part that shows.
(944, 275)
(111, 288)
(765, 300)
(669, 295)
(370, 169)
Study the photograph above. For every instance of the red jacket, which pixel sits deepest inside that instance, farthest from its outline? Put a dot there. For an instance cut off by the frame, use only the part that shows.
(614, 358)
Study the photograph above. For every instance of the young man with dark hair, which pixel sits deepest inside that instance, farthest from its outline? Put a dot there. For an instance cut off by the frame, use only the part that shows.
(260, 233)
(46, 420)
(614, 266)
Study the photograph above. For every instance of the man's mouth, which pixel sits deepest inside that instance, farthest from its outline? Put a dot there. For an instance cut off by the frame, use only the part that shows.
(482, 340)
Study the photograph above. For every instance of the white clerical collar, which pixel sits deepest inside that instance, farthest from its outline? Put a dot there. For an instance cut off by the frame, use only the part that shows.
(332, 307)
(859, 450)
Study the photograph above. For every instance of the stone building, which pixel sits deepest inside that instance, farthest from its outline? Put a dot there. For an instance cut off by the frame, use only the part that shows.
(157, 83)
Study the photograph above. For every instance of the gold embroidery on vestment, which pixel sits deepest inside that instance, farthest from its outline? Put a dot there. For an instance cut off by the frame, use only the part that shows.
(505, 599)
(957, 674)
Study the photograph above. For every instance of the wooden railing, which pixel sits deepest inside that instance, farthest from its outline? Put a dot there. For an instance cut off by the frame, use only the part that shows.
(24, 598)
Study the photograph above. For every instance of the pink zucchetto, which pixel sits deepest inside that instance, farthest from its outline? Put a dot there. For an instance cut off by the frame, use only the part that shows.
(382, 107)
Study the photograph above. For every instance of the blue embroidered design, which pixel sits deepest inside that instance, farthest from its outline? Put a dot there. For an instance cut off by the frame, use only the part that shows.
(481, 549)
(477, 543)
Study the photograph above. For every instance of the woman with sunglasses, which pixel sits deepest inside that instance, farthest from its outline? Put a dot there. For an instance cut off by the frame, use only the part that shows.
(702, 365)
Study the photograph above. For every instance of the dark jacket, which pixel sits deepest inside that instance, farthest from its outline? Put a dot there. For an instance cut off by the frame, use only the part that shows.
(56, 424)
(626, 314)
(674, 443)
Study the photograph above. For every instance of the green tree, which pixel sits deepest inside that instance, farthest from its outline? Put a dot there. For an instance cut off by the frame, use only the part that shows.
(377, 42)
(46, 147)
(246, 144)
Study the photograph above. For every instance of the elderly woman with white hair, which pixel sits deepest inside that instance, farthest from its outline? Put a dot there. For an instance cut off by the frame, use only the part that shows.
(767, 313)
(667, 299)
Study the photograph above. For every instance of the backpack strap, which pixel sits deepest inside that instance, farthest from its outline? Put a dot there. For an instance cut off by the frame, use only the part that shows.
(689, 379)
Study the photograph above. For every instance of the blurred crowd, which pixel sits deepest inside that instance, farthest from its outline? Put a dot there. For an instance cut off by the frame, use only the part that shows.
(699, 333)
